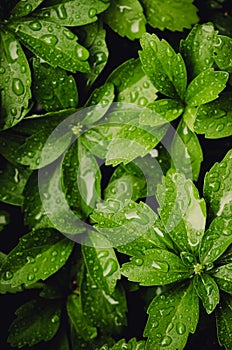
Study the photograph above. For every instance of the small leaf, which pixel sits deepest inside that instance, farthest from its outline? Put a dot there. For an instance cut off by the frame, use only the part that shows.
(208, 291)
(172, 316)
(73, 12)
(155, 267)
(206, 87)
(53, 88)
(223, 321)
(126, 18)
(79, 321)
(223, 277)
(24, 8)
(56, 45)
(197, 48)
(163, 66)
(216, 240)
(101, 262)
(15, 81)
(173, 16)
(38, 255)
(132, 85)
(36, 320)
(222, 52)
(217, 187)
(186, 151)
(214, 119)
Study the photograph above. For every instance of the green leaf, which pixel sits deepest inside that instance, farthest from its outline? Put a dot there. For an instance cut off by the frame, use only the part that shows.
(59, 49)
(38, 255)
(216, 240)
(15, 81)
(101, 262)
(155, 267)
(163, 66)
(172, 316)
(174, 16)
(223, 277)
(207, 290)
(217, 187)
(36, 320)
(53, 88)
(79, 321)
(13, 180)
(160, 112)
(133, 344)
(197, 49)
(222, 52)
(126, 18)
(132, 85)
(104, 311)
(186, 151)
(223, 321)
(9, 143)
(214, 119)
(182, 212)
(73, 12)
(206, 87)
(24, 8)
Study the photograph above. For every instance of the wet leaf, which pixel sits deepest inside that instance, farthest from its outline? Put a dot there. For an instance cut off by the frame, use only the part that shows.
(223, 277)
(25, 7)
(222, 52)
(223, 321)
(207, 290)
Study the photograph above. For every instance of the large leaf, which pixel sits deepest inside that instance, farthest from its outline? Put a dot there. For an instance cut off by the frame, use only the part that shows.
(197, 48)
(224, 324)
(53, 88)
(101, 262)
(73, 12)
(155, 267)
(223, 277)
(56, 45)
(222, 52)
(163, 66)
(36, 320)
(126, 18)
(214, 119)
(217, 187)
(15, 81)
(132, 85)
(206, 87)
(38, 255)
(172, 316)
(207, 290)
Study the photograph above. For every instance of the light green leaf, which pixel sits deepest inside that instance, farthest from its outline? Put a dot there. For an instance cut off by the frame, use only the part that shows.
(53, 88)
(132, 85)
(15, 81)
(214, 119)
(223, 277)
(155, 267)
(25, 7)
(126, 18)
(101, 262)
(223, 321)
(73, 12)
(6, 288)
(160, 112)
(174, 16)
(79, 321)
(172, 316)
(222, 52)
(36, 321)
(206, 87)
(56, 45)
(163, 66)
(208, 291)
(216, 240)
(182, 211)
(187, 150)
(217, 187)
(38, 255)
(13, 179)
(197, 48)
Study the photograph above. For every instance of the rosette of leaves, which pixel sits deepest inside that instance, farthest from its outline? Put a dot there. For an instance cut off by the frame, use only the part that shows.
(179, 251)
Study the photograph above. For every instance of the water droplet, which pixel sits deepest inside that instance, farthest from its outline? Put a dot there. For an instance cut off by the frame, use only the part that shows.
(30, 260)
(160, 265)
(142, 101)
(180, 328)
(103, 254)
(17, 87)
(69, 35)
(61, 11)
(14, 111)
(166, 341)
(28, 8)
(215, 186)
(30, 277)
(8, 275)
(35, 25)
(139, 261)
(50, 39)
(110, 267)
(166, 311)
(92, 12)
(54, 253)
(55, 319)
(2, 70)
(82, 53)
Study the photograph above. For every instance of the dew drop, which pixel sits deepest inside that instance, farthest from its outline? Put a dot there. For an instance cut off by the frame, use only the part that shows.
(92, 12)
(61, 11)
(110, 267)
(180, 328)
(14, 111)
(139, 261)
(166, 341)
(69, 35)
(30, 277)
(35, 25)
(2, 70)
(55, 319)
(50, 39)
(17, 87)
(82, 53)
(8, 275)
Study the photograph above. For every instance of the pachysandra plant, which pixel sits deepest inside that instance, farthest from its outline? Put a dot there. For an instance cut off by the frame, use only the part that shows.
(147, 227)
